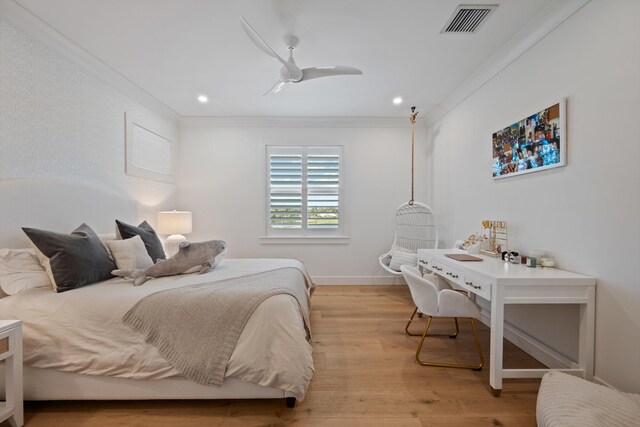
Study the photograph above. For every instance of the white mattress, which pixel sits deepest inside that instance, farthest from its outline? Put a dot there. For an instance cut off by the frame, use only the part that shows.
(82, 331)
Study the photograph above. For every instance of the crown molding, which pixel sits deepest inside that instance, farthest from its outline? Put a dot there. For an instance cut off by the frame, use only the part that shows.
(35, 27)
(553, 15)
(329, 122)
(547, 20)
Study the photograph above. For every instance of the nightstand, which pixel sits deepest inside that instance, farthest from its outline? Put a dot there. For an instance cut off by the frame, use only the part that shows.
(11, 355)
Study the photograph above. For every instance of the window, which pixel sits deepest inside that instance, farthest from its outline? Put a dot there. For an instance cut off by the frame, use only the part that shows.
(304, 190)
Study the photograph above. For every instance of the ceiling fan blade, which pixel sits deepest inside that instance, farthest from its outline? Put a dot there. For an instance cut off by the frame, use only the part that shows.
(258, 41)
(328, 70)
(263, 46)
(275, 89)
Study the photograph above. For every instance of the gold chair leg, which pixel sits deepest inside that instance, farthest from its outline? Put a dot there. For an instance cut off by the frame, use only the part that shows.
(475, 336)
(406, 328)
(449, 365)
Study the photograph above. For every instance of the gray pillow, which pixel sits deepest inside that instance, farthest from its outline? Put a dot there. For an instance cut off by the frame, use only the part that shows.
(148, 236)
(72, 260)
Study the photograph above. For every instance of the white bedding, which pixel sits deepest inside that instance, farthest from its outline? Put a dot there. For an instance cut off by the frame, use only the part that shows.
(82, 331)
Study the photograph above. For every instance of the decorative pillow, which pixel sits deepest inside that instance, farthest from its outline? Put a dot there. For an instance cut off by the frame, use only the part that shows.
(148, 236)
(130, 253)
(20, 270)
(71, 260)
(401, 257)
(105, 238)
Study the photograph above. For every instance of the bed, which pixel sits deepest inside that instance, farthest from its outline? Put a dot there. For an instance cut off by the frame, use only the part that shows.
(77, 347)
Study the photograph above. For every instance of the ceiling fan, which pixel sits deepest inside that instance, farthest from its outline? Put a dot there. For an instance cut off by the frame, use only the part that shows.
(290, 72)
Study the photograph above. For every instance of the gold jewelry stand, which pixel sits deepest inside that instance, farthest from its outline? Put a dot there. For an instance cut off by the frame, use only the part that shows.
(498, 238)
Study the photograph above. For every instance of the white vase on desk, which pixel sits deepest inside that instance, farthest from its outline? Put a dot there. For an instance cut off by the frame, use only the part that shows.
(548, 262)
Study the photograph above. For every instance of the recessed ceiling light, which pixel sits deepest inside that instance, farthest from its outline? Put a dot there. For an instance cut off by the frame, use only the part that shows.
(397, 100)
(203, 99)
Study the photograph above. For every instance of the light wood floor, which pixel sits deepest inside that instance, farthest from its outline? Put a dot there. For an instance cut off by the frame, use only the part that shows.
(366, 375)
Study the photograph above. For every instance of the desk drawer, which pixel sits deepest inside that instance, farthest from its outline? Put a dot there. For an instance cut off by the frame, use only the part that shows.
(425, 262)
(452, 274)
(477, 286)
(437, 267)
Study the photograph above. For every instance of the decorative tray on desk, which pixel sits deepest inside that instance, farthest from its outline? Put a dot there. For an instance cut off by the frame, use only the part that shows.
(463, 257)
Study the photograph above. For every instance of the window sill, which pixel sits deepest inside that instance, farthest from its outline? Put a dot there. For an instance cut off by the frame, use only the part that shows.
(305, 240)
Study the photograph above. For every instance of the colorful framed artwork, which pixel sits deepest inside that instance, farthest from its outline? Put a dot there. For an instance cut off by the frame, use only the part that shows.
(534, 143)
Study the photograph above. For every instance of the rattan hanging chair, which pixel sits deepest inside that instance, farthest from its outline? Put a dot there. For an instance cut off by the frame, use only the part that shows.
(415, 229)
(415, 225)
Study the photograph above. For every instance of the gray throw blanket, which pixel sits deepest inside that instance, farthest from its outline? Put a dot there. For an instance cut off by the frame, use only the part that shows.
(196, 328)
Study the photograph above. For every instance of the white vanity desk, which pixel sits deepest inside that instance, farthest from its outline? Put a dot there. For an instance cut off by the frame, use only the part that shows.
(503, 283)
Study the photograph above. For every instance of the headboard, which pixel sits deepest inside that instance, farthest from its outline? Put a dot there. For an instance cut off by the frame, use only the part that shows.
(58, 205)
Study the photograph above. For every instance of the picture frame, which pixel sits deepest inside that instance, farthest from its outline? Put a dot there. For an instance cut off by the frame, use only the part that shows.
(149, 154)
(534, 143)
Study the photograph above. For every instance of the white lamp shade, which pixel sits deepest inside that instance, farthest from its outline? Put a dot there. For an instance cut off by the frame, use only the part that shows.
(174, 222)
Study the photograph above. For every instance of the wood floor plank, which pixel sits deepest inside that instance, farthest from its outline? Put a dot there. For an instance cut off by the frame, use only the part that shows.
(365, 375)
(328, 343)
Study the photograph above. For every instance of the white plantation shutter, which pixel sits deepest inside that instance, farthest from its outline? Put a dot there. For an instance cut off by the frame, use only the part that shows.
(323, 187)
(303, 189)
(285, 185)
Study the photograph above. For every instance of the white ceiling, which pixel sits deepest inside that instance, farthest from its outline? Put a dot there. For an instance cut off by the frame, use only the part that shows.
(177, 49)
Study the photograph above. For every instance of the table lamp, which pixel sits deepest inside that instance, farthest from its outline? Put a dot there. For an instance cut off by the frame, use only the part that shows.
(175, 224)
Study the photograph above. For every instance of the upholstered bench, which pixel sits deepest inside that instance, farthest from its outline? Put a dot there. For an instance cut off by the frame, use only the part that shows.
(565, 400)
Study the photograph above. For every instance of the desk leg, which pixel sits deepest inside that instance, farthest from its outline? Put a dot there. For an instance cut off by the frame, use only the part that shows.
(587, 333)
(497, 333)
(13, 379)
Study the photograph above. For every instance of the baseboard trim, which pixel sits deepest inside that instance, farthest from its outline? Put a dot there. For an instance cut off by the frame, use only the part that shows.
(358, 280)
(531, 345)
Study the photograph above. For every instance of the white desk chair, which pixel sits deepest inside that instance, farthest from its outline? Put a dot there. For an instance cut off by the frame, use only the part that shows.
(440, 301)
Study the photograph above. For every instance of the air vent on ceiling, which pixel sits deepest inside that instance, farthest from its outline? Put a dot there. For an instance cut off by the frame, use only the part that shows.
(466, 19)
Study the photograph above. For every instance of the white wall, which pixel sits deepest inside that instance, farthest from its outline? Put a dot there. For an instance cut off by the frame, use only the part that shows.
(222, 182)
(59, 120)
(587, 214)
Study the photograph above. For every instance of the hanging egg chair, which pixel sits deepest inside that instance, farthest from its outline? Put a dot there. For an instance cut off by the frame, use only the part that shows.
(415, 226)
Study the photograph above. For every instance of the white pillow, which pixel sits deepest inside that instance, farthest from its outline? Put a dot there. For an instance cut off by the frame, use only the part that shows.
(104, 239)
(20, 270)
(44, 263)
(130, 253)
(401, 257)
